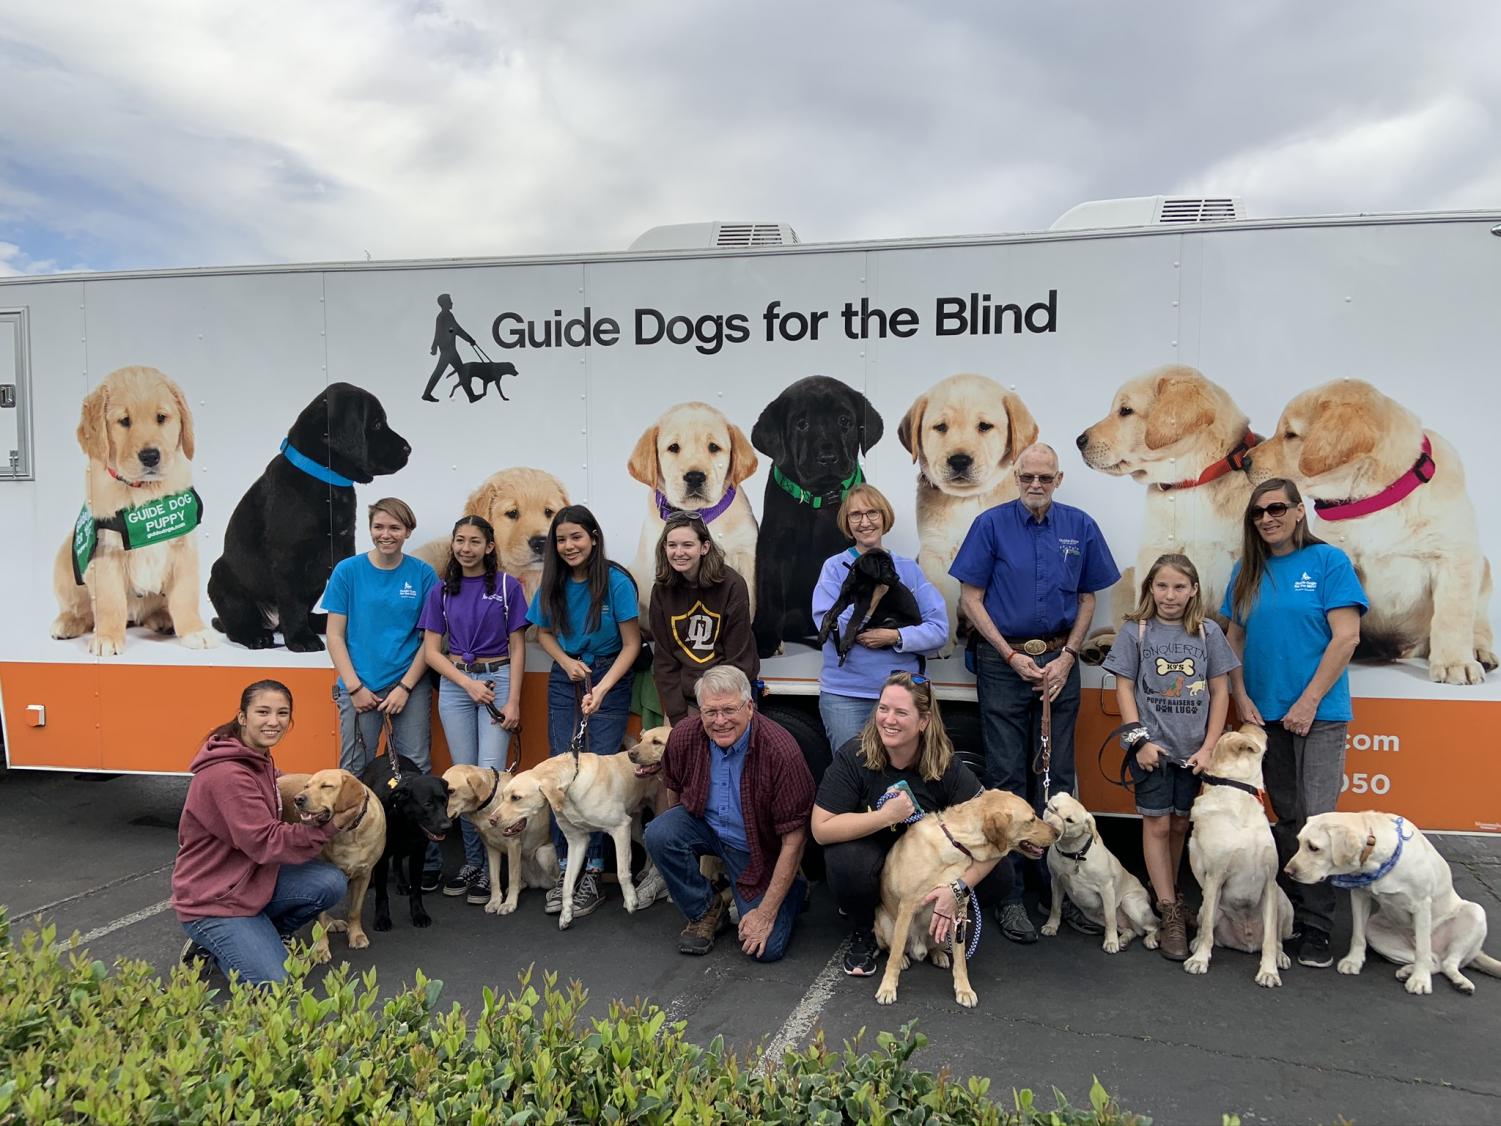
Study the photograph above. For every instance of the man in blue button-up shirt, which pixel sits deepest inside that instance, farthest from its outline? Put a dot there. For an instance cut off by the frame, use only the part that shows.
(1028, 571)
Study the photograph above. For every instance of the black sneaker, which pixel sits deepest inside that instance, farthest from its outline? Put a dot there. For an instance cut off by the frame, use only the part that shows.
(458, 883)
(197, 958)
(1015, 923)
(431, 881)
(1078, 920)
(860, 958)
(586, 895)
(1313, 949)
(479, 888)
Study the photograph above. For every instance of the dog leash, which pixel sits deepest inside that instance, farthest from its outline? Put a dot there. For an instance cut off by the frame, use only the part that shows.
(971, 906)
(388, 738)
(1046, 752)
(580, 741)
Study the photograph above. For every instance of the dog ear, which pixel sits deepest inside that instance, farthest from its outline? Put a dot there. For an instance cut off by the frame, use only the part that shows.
(909, 430)
(1340, 433)
(347, 419)
(481, 501)
(742, 456)
(1022, 426)
(996, 825)
(553, 793)
(643, 465)
(1345, 845)
(184, 418)
(871, 427)
(93, 424)
(1180, 409)
(351, 792)
(769, 433)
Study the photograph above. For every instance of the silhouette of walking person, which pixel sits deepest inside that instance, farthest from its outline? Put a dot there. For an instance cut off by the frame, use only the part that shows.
(444, 345)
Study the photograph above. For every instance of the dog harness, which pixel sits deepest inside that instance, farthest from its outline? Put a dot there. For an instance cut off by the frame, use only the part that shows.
(312, 468)
(1420, 474)
(139, 525)
(707, 515)
(1366, 879)
(803, 496)
(1232, 462)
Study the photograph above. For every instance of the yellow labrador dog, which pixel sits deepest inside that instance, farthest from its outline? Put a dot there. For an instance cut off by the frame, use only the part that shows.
(592, 793)
(1234, 858)
(694, 458)
(1419, 921)
(315, 798)
(1184, 438)
(1392, 495)
(987, 826)
(964, 433)
(1094, 880)
(530, 859)
(133, 555)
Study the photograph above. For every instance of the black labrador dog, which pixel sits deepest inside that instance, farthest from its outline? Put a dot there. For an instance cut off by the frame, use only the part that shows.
(814, 433)
(482, 373)
(297, 520)
(416, 813)
(880, 598)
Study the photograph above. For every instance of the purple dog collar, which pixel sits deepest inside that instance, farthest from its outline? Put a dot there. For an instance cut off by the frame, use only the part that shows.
(707, 515)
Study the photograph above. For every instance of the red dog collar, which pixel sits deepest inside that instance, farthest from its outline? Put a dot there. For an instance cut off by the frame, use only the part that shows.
(1420, 474)
(1232, 462)
(125, 480)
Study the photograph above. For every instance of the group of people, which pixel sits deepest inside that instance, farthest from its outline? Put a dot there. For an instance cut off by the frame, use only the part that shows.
(737, 785)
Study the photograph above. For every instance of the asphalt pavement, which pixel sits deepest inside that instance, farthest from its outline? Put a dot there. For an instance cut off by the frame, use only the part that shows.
(94, 856)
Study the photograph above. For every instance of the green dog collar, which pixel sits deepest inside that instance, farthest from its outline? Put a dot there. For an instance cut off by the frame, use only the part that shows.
(803, 496)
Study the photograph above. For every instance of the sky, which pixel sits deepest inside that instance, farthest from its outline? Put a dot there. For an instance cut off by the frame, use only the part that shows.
(161, 134)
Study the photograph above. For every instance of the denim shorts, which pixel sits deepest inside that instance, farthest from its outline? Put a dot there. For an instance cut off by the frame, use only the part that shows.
(1170, 788)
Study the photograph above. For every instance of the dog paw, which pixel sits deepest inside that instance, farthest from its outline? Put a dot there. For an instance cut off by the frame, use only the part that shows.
(1419, 984)
(359, 941)
(1404, 972)
(499, 907)
(1283, 961)
(421, 919)
(1196, 965)
(382, 923)
(1455, 672)
(320, 953)
(941, 959)
(101, 646)
(305, 643)
(628, 895)
(65, 626)
(1350, 965)
(1268, 979)
(1150, 940)
(1049, 929)
(1112, 946)
(199, 639)
(335, 926)
(565, 920)
(1097, 648)
(1484, 655)
(967, 997)
(886, 995)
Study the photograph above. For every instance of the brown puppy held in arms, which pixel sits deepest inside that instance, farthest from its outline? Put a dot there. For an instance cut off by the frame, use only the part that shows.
(473, 792)
(1402, 898)
(936, 851)
(1234, 858)
(315, 798)
(1089, 874)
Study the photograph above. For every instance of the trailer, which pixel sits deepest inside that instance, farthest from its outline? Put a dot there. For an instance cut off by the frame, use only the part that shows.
(939, 359)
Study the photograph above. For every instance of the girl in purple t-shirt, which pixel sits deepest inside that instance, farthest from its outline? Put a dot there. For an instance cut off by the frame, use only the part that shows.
(481, 613)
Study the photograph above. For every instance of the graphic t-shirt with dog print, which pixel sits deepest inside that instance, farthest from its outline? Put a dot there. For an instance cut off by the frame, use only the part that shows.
(1172, 669)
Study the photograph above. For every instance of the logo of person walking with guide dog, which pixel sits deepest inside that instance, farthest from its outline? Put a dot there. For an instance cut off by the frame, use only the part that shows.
(481, 372)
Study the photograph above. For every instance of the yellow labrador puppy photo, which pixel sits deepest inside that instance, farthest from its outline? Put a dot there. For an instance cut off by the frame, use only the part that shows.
(1094, 880)
(1234, 858)
(964, 433)
(133, 555)
(531, 861)
(1392, 495)
(1184, 438)
(989, 825)
(695, 459)
(1402, 898)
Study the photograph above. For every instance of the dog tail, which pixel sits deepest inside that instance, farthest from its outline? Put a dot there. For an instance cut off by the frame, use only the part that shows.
(1486, 964)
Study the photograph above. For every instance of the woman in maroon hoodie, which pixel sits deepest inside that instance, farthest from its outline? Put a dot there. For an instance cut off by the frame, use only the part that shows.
(244, 879)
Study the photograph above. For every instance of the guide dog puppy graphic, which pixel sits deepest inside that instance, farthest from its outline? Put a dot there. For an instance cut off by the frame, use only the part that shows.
(133, 556)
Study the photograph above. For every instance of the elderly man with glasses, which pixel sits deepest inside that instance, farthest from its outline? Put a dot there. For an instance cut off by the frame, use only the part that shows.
(738, 789)
(1028, 571)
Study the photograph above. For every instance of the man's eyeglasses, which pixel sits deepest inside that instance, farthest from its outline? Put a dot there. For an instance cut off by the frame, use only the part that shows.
(712, 714)
(1037, 478)
(865, 517)
(1276, 510)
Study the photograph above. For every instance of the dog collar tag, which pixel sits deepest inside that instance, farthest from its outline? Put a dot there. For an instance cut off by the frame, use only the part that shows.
(391, 784)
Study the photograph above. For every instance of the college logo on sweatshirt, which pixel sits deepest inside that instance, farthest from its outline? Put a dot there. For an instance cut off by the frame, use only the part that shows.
(696, 632)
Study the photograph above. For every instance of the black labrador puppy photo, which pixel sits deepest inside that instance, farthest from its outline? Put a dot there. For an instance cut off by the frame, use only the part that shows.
(298, 519)
(814, 433)
(416, 813)
(880, 598)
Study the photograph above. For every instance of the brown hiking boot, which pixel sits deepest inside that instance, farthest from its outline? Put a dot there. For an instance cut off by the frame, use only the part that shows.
(1172, 934)
(698, 936)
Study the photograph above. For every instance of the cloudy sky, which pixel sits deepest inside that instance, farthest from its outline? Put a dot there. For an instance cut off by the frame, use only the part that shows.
(158, 133)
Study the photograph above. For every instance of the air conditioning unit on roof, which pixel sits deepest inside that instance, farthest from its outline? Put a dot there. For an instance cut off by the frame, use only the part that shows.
(1149, 211)
(701, 236)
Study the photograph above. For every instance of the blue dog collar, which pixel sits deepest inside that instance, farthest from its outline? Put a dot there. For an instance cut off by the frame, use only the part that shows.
(1366, 879)
(312, 468)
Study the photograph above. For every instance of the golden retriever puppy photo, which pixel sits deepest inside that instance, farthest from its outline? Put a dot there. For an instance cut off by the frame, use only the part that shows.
(1410, 912)
(530, 859)
(964, 433)
(695, 459)
(989, 825)
(133, 555)
(1234, 858)
(519, 503)
(1086, 871)
(1392, 495)
(1184, 438)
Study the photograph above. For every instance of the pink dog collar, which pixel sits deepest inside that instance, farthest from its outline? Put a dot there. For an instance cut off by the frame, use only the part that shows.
(1420, 474)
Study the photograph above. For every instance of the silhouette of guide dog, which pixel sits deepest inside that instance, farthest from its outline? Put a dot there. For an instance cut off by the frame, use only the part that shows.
(483, 374)
(880, 599)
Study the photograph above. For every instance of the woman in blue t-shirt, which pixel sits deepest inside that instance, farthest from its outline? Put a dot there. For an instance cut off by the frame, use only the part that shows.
(481, 612)
(1294, 606)
(585, 612)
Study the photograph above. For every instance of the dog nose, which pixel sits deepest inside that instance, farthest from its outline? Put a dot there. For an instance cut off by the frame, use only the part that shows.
(536, 544)
(1082, 440)
(694, 479)
(150, 457)
(828, 457)
(300, 801)
(960, 463)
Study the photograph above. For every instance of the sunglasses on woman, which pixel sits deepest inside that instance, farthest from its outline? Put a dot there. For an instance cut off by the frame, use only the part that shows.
(1276, 510)
(917, 677)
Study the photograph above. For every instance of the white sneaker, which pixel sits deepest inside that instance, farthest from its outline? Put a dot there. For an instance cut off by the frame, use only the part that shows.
(650, 888)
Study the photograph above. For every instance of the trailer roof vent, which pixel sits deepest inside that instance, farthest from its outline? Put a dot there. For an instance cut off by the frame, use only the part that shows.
(698, 236)
(1149, 211)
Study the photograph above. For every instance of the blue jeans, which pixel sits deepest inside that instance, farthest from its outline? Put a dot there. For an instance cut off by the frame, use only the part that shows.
(411, 731)
(1011, 731)
(250, 945)
(844, 717)
(675, 841)
(606, 733)
(474, 739)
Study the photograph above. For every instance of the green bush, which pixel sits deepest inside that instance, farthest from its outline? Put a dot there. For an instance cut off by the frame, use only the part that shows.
(80, 1042)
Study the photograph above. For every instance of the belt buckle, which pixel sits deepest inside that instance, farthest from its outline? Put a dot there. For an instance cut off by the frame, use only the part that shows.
(1035, 647)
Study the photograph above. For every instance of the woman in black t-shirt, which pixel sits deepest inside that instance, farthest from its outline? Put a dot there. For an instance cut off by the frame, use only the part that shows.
(903, 741)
